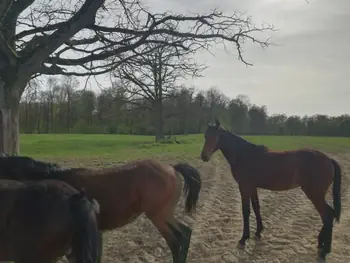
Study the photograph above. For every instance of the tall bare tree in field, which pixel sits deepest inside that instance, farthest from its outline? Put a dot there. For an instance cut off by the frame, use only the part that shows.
(152, 77)
(93, 37)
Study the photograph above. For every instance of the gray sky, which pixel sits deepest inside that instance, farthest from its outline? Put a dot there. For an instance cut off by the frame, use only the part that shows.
(305, 74)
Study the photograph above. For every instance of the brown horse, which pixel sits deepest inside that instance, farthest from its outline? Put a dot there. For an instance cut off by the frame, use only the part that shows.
(125, 192)
(40, 220)
(254, 166)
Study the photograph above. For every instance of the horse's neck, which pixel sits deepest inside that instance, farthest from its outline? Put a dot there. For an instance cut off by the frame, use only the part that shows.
(228, 151)
(236, 150)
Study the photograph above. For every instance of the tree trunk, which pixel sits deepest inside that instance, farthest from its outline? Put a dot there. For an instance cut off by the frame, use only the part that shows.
(68, 113)
(9, 130)
(38, 118)
(47, 116)
(14, 129)
(4, 131)
(159, 121)
(186, 122)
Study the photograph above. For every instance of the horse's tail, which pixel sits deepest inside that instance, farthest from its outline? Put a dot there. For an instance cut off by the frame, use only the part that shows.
(192, 184)
(86, 242)
(337, 189)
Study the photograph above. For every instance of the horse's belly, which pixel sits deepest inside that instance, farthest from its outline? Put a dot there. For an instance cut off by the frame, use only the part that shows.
(279, 187)
(127, 219)
(116, 218)
(278, 182)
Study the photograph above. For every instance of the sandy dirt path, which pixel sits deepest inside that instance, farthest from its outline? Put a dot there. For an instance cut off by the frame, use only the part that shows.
(291, 225)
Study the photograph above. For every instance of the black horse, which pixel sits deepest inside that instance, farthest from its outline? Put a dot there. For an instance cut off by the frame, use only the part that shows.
(41, 220)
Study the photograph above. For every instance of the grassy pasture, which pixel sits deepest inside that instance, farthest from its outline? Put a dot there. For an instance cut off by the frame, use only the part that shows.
(218, 221)
(128, 147)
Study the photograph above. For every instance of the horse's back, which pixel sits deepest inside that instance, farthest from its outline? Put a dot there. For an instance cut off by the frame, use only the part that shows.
(285, 170)
(140, 173)
(150, 181)
(316, 169)
(296, 158)
(53, 186)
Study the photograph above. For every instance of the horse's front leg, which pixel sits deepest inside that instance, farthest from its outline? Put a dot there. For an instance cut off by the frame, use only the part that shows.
(256, 209)
(245, 196)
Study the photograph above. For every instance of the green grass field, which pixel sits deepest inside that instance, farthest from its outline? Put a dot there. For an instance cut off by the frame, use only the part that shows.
(127, 147)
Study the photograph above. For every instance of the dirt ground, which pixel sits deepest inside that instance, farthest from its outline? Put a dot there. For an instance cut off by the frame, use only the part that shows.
(291, 226)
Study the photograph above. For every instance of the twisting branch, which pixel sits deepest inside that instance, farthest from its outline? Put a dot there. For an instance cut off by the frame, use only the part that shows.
(104, 40)
(152, 75)
(94, 37)
(85, 16)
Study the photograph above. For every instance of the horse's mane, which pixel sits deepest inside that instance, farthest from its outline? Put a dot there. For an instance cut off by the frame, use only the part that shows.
(241, 145)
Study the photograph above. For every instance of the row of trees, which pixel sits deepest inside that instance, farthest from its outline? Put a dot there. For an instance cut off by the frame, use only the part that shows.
(62, 108)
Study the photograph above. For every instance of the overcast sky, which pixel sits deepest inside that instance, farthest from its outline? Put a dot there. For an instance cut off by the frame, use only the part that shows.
(306, 73)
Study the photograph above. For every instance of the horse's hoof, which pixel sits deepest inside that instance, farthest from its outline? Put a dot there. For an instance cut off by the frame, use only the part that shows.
(240, 246)
(257, 238)
(320, 255)
(320, 259)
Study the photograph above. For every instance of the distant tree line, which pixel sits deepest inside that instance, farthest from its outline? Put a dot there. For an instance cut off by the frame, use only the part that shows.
(62, 108)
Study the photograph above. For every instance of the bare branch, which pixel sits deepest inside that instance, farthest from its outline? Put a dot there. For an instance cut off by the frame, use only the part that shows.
(5, 6)
(133, 27)
(152, 75)
(52, 70)
(94, 37)
(6, 50)
(84, 17)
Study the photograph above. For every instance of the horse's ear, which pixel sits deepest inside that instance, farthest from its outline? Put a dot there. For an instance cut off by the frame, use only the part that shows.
(211, 124)
(217, 123)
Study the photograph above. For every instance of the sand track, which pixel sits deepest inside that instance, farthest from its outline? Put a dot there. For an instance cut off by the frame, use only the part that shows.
(290, 220)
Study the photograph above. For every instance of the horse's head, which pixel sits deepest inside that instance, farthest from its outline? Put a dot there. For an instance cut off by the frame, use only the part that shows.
(211, 143)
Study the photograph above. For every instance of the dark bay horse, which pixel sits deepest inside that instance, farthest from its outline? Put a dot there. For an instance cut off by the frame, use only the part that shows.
(125, 192)
(255, 166)
(40, 220)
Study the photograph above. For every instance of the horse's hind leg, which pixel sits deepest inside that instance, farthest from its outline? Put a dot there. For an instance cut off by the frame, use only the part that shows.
(186, 239)
(171, 236)
(327, 215)
(327, 232)
(256, 208)
(176, 234)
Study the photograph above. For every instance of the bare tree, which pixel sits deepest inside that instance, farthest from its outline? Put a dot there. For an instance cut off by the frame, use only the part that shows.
(152, 77)
(92, 37)
(184, 106)
(50, 95)
(30, 107)
(69, 85)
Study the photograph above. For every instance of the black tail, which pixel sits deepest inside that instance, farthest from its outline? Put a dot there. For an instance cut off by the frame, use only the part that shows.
(86, 242)
(192, 184)
(337, 190)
